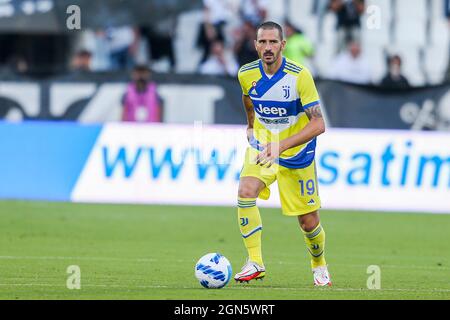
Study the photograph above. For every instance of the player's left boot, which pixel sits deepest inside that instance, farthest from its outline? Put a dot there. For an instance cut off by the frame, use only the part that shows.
(321, 276)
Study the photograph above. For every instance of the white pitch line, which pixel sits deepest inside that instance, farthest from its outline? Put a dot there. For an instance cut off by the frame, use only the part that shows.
(228, 288)
(345, 289)
(406, 267)
(76, 258)
(396, 266)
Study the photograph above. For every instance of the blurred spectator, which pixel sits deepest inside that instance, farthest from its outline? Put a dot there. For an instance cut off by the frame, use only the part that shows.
(219, 63)
(94, 40)
(216, 15)
(351, 66)
(18, 65)
(447, 8)
(244, 46)
(141, 102)
(160, 40)
(394, 77)
(122, 44)
(348, 13)
(254, 11)
(447, 15)
(298, 46)
(81, 62)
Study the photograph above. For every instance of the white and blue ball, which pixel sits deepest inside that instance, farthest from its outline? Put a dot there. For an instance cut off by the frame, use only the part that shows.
(213, 271)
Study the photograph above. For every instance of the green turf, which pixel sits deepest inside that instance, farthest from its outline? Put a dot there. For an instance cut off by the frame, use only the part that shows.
(149, 252)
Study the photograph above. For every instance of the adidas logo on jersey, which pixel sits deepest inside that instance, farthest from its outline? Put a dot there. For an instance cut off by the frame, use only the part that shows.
(311, 202)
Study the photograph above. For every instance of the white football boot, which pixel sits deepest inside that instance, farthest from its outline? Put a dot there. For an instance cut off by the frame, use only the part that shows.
(251, 270)
(321, 276)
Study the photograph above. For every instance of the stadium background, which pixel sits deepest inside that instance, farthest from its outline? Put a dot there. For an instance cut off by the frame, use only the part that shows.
(62, 142)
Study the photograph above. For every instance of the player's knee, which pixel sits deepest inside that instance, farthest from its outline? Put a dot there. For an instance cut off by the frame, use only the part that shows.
(247, 192)
(308, 227)
(309, 222)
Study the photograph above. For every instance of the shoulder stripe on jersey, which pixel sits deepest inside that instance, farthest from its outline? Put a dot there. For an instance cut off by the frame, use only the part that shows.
(292, 70)
(248, 68)
(293, 66)
(250, 65)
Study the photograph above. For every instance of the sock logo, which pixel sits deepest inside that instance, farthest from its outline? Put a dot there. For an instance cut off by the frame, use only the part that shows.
(244, 222)
(315, 246)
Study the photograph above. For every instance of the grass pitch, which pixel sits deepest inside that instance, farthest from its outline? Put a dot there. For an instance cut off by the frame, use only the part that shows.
(149, 252)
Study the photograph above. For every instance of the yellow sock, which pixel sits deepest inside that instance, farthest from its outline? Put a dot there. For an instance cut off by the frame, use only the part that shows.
(251, 228)
(315, 242)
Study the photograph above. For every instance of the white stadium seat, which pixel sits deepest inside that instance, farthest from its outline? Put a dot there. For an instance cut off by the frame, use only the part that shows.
(187, 54)
(411, 22)
(377, 59)
(436, 61)
(300, 14)
(324, 58)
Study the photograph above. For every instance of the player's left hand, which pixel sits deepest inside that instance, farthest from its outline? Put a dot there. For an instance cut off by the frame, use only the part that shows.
(269, 154)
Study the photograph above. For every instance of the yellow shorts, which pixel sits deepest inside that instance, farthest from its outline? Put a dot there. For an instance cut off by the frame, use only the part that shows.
(298, 188)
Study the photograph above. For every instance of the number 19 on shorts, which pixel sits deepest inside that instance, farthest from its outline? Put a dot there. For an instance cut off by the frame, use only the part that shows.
(309, 187)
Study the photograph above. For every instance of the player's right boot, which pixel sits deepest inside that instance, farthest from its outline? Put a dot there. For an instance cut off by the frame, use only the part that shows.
(250, 271)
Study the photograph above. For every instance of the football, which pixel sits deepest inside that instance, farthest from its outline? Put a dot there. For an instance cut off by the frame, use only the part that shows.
(213, 271)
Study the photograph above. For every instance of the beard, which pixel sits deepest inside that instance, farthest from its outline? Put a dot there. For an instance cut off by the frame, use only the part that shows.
(272, 56)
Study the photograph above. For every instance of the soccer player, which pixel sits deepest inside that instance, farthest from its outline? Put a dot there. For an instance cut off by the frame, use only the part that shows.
(284, 118)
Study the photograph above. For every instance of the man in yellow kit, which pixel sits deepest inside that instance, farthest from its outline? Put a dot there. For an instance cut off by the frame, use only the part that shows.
(284, 119)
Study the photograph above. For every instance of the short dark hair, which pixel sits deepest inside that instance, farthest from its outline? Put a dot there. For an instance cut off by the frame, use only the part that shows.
(395, 57)
(269, 25)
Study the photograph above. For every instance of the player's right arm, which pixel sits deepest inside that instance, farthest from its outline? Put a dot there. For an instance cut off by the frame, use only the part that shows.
(247, 102)
(250, 112)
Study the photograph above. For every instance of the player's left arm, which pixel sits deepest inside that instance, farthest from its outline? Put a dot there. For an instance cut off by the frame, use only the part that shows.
(315, 127)
(311, 104)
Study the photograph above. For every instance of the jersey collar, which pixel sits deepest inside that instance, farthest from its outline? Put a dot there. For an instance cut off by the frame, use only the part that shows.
(279, 74)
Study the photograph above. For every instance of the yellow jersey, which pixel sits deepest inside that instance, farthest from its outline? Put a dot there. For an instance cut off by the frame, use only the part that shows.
(280, 102)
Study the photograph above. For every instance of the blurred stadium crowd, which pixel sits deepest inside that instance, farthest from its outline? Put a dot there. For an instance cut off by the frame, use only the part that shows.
(383, 42)
(335, 38)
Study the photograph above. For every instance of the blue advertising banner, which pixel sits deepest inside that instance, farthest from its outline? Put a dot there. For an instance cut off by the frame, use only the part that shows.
(387, 170)
(43, 160)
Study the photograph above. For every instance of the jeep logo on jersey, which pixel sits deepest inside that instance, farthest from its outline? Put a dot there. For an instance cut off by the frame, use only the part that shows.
(272, 110)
